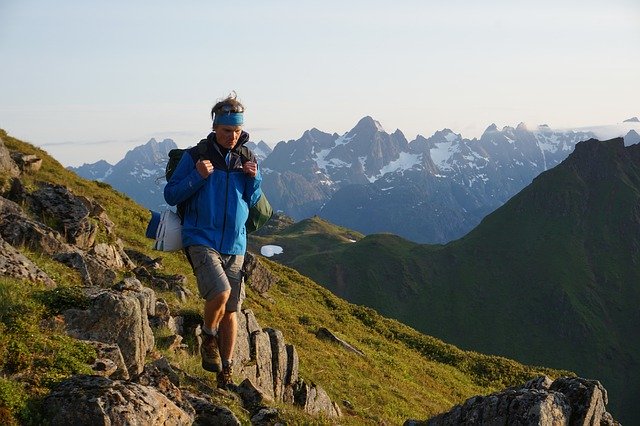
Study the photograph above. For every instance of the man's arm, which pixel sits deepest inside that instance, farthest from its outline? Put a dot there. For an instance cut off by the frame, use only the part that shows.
(184, 182)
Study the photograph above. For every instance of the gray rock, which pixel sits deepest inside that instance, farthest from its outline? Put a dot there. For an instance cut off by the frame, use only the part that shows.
(161, 377)
(572, 401)
(314, 400)
(141, 259)
(253, 397)
(104, 367)
(110, 256)
(279, 362)
(7, 165)
(261, 353)
(209, 414)
(94, 400)
(588, 399)
(292, 374)
(20, 231)
(116, 316)
(265, 416)
(28, 163)
(70, 214)
(258, 277)
(111, 351)
(326, 334)
(92, 271)
(15, 264)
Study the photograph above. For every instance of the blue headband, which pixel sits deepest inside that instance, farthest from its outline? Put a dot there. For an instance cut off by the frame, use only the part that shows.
(229, 119)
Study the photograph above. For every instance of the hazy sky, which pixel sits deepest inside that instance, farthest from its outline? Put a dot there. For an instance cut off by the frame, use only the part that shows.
(89, 80)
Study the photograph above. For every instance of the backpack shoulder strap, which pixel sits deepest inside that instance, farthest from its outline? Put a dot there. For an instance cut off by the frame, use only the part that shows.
(199, 151)
(246, 154)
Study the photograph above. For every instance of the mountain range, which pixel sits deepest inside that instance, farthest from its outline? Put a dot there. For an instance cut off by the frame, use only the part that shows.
(549, 278)
(429, 190)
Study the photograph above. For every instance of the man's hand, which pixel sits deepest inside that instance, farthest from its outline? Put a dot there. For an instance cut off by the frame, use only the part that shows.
(205, 168)
(250, 168)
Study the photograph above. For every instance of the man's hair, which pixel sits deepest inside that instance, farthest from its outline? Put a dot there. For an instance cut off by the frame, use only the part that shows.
(228, 104)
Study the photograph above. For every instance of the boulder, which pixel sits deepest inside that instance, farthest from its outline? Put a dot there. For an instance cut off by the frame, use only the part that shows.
(111, 256)
(69, 213)
(118, 315)
(209, 414)
(27, 163)
(161, 377)
(20, 231)
(568, 400)
(111, 352)
(92, 271)
(94, 400)
(314, 400)
(258, 276)
(588, 399)
(7, 165)
(15, 264)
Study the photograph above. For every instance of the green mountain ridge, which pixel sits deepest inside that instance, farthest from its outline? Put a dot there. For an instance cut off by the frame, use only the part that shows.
(550, 278)
(404, 374)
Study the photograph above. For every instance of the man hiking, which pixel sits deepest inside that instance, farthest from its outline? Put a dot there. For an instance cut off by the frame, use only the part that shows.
(216, 188)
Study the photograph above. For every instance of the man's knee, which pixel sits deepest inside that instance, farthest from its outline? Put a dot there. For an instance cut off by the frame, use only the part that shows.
(219, 299)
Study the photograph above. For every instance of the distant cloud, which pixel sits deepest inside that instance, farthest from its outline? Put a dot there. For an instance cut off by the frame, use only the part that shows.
(78, 143)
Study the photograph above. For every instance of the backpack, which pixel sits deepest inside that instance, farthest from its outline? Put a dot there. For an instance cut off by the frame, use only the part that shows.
(259, 214)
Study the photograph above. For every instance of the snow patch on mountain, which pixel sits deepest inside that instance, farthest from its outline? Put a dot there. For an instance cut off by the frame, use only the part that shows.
(321, 156)
(406, 161)
(443, 151)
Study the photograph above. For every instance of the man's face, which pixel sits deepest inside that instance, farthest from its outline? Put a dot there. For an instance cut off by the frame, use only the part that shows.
(227, 136)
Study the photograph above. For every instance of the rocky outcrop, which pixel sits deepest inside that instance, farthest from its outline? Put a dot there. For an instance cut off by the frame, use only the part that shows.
(567, 400)
(119, 316)
(7, 165)
(93, 400)
(109, 354)
(15, 264)
(70, 238)
(269, 367)
(258, 277)
(27, 163)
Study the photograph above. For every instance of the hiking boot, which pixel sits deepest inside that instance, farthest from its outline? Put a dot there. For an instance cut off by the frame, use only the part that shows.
(210, 353)
(225, 377)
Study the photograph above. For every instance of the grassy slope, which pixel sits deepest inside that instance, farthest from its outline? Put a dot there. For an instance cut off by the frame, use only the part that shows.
(547, 279)
(403, 374)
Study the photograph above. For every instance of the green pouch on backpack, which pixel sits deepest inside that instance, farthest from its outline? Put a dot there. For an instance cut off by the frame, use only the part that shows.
(259, 214)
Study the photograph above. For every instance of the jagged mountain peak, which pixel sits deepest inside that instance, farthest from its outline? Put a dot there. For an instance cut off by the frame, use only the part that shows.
(446, 134)
(631, 138)
(632, 120)
(492, 128)
(151, 151)
(367, 125)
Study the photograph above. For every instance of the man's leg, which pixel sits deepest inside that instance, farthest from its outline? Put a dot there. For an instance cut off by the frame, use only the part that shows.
(229, 324)
(214, 310)
(214, 287)
(227, 335)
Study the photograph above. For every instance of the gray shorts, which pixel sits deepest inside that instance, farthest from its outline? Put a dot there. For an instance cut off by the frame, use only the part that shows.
(216, 273)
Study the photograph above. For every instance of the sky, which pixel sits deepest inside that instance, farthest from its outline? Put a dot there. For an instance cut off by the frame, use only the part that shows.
(90, 80)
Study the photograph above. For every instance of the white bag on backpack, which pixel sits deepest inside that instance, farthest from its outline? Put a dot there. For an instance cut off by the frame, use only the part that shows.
(168, 237)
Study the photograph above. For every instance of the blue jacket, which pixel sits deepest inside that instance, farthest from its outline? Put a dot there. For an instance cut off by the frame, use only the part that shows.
(216, 208)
